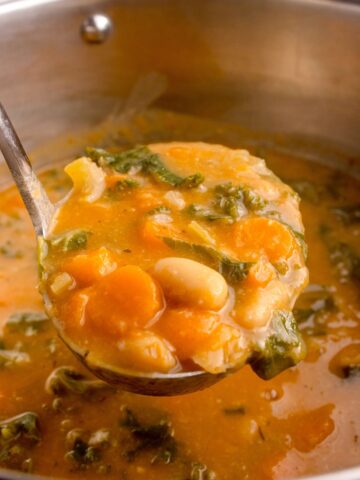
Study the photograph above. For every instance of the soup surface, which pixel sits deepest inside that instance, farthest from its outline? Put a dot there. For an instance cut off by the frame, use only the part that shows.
(153, 268)
(56, 419)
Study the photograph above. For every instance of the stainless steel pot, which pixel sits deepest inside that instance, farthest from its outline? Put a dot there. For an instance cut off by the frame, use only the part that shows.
(288, 67)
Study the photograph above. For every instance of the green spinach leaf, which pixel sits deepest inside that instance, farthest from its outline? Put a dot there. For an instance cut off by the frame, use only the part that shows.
(28, 323)
(144, 160)
(157, 437)
(282, 349)
(64, 380)
(233, 270)
(70, 241)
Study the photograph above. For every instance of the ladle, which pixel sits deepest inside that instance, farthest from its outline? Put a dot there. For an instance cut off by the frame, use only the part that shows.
(41, 212)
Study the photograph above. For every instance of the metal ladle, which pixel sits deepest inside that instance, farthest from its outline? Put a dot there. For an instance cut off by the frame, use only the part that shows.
(41, 212)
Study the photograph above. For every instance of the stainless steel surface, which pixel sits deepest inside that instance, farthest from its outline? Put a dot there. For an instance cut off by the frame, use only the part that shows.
(145, 384)
(286, 66)
(35, 198)
(96, 28)
(41, 212)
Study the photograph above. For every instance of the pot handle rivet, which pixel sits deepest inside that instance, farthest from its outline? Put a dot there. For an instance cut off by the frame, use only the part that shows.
(96, 28)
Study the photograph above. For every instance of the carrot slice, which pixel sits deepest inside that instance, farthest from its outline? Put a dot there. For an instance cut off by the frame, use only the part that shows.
(126, 297)
(87, 268)
(189, 330)
(257, 236)
(151, 233)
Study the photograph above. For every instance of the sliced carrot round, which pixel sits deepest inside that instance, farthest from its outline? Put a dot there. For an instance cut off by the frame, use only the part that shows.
(257, 236)
(127, 297)
(87, 268)
(189, 330)
(152, 233)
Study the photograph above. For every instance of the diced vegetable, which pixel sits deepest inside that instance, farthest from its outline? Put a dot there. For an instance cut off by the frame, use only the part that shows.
(260, 274)
(88, 179)
(189, 330)
(61, 283)
(229, 349)
(282, 349)
(175, 199)
(200, 232)
(153, 231)
(259, 236)
(126, 297)
(89, 267)
(186, 282)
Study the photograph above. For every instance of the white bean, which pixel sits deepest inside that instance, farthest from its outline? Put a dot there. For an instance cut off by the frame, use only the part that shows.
(191, 283)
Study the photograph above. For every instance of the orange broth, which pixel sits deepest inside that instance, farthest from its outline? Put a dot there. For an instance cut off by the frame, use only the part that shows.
(303, 421)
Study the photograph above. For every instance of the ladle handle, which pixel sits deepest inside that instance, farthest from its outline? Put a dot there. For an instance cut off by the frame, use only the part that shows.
(40, 209)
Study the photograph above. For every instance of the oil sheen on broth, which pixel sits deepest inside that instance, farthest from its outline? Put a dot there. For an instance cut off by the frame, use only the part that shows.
(58, 420)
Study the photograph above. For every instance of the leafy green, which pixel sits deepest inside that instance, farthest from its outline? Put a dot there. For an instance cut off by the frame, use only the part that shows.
(17, 435)
(69, 241)
(157, 437)
(282, 349)
(233, 200)
(145, 161)
(83, 454)
(233, 270)
(313, 308)
(300, 238)
(64, 380)
(42, 252)
(342, 255)
(206, 213)
(125, 184)
(349, 214)
(25, 425)
(8, 250)
(160, 209)
(28, 323)
(307, 190)
(13, 357)
(237, 410)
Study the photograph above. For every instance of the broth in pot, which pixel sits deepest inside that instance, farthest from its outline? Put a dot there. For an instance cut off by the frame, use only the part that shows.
(58, 420)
